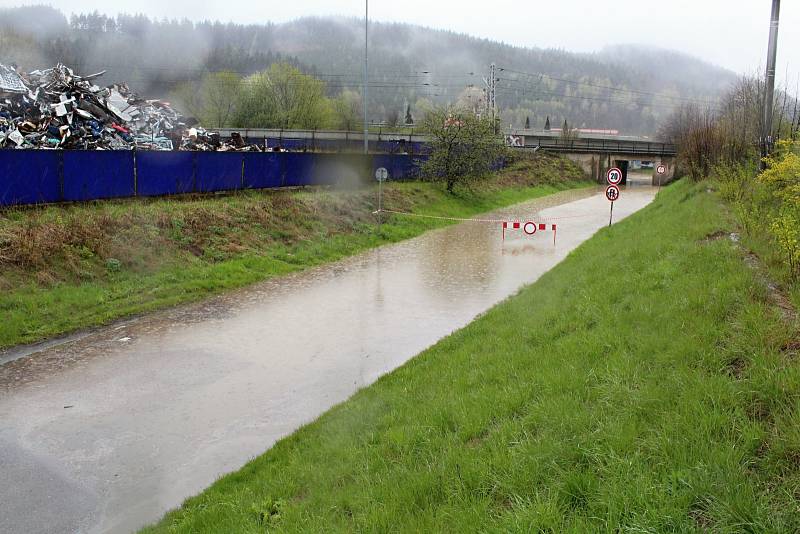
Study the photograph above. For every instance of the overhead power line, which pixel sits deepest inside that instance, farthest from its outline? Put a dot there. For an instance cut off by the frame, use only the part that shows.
(611, 88)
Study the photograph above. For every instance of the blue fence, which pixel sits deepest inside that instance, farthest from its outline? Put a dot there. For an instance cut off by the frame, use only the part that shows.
(39, 176)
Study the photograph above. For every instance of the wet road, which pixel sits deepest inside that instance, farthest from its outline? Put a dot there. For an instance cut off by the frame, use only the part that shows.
(107, 432)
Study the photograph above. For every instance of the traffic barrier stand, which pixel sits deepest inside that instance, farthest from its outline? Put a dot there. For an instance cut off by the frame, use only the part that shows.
(529, 228)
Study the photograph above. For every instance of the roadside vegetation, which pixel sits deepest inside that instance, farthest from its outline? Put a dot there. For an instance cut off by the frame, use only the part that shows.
(464, 146)
(73, 266)
(722, 148)
(649, 383)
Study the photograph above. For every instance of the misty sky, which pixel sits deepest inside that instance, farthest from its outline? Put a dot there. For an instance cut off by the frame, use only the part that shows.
(731, 34)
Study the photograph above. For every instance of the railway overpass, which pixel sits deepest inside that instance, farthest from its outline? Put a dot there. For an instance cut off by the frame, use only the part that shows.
(595, 153)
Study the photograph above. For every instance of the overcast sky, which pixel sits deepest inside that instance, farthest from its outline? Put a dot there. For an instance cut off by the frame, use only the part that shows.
(729, 33)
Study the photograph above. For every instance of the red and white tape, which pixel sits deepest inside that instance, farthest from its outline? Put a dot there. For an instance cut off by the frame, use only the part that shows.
(528, 227)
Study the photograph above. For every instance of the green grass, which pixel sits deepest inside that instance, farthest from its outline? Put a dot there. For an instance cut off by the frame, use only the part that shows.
(64, 268)
(639, 386)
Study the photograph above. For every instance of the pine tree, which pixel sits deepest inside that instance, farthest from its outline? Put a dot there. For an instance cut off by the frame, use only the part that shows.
(547, 124)
(409, 118)
(527, 123)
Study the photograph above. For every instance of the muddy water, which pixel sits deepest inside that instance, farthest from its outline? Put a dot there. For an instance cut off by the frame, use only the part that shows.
(108, 431)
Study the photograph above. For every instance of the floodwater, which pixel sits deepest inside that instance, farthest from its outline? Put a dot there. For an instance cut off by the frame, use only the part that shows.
(107, 431)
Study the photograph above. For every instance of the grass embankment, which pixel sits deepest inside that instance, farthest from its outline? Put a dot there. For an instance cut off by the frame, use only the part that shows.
(639, 386)
(68, 267)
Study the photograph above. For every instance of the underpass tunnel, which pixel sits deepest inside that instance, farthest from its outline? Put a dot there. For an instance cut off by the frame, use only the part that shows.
(622, 164)
(635, 172)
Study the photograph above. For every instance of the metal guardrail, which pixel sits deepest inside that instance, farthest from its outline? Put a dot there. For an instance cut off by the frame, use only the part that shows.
(590, 145)
(550, 141)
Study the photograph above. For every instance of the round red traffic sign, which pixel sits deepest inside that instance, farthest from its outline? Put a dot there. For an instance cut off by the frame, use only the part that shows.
(614, 176)
(529, 225)
(661, 169)
(612, 192)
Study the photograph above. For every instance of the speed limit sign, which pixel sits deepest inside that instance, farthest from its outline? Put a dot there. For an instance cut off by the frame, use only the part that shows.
(661, 169)
(614, 176)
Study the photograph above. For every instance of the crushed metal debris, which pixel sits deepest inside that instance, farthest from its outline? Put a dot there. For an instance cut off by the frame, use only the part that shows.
(57, 109)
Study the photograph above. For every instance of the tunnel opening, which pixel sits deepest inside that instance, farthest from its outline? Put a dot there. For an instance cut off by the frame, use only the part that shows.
(635, 172)
(622, 164)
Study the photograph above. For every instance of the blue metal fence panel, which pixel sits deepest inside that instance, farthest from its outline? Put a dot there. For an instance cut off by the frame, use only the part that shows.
(165, 173)
(262, 170)
(29, 176)
(96, 174)
(400, 166)
(297, 168)
(32, 176)
(218, 171)
(339, 169)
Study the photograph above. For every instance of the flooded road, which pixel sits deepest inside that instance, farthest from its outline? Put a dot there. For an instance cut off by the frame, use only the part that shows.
(107, 432)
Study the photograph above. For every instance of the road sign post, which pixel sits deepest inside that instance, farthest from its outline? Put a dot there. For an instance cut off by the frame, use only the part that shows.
(661, 170)
(381, 174)
(612, 194)
(613, 177)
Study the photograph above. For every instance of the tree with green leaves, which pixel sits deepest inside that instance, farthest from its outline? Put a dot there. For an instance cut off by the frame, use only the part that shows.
(213, 101)
(347, 111)
(463, 146)
(283, 97)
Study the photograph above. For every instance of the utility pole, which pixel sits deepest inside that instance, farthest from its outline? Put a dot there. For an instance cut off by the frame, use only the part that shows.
(769, 90)
(366, 75)
(491, 86)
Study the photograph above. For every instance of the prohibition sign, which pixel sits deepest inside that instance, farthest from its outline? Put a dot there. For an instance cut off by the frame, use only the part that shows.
(529, 228)
(612, 192)
(614, 176)
(661, 169)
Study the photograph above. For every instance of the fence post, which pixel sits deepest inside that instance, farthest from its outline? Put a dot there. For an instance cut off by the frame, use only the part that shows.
(135, 175)
(241, 186)
(61, 175)
(194, 171)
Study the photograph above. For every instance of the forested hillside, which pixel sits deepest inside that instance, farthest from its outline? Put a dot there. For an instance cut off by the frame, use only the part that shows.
(627, 88)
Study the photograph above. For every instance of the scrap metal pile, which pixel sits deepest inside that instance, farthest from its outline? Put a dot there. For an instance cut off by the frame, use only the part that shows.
(55, 108)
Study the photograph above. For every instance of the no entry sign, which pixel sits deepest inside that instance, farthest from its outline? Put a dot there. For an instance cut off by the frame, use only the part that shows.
(661, 169)
(614, 176)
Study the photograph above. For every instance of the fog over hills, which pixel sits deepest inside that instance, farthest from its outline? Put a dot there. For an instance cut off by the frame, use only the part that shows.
(631, 88)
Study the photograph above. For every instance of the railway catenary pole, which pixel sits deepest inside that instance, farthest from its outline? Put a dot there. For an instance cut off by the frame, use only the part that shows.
(366, 74)
(769, 89)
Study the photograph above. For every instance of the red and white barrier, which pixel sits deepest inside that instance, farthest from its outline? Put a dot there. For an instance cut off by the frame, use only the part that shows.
(529, 228)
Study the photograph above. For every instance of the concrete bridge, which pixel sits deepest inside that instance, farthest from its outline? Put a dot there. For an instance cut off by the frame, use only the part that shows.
(598, 153)
(595, 153)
